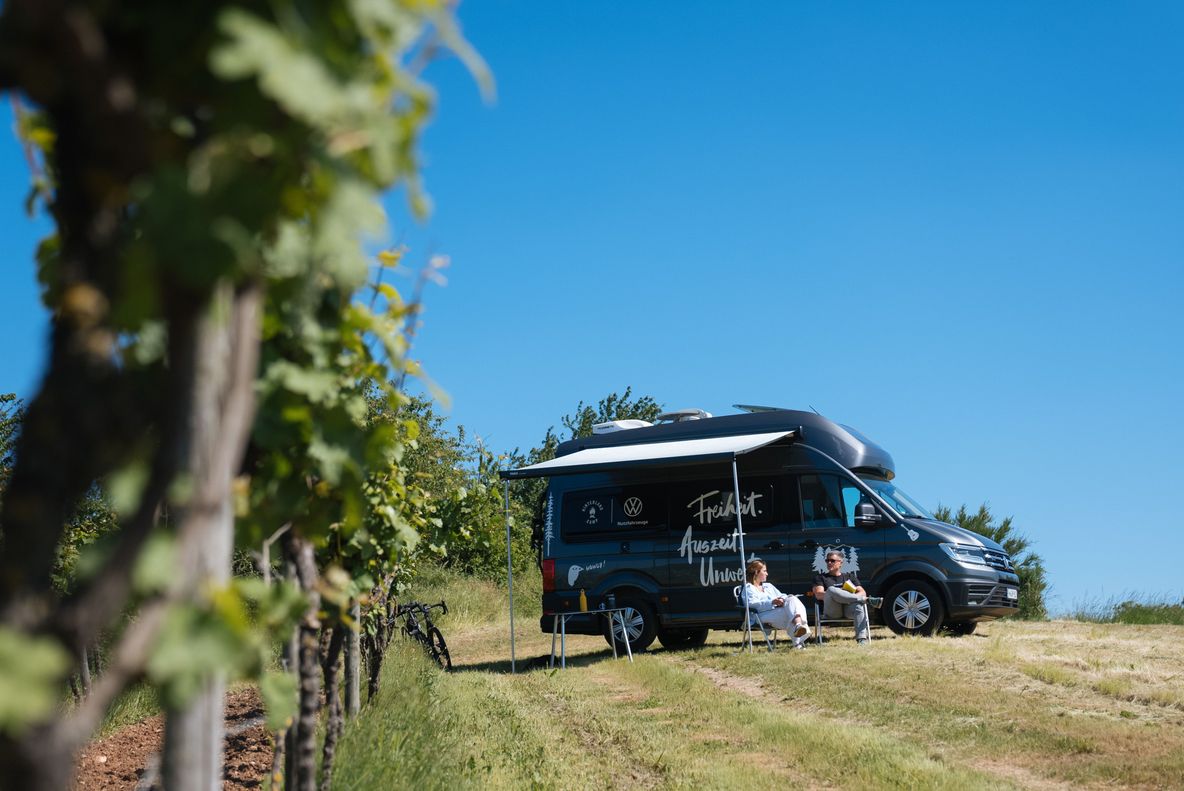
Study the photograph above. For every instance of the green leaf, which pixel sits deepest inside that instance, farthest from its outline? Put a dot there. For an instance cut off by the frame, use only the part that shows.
(193, 643)
(411, 430)
(318, 386)
(293, 77)
(126, 486)
(31, 671)
(156, 568)
(150, 344)
(331, 459)
(351, 212)
(279, 698)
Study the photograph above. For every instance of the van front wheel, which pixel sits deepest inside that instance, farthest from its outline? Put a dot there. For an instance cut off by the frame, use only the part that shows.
(639, 623)
(913, 607)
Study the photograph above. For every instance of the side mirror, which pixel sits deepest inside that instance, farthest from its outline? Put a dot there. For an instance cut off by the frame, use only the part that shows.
(866, 515)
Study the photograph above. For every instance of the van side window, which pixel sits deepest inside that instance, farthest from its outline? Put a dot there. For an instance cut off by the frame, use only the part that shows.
(822, 502)
(710, 505)
(595, 514)
(852, 496)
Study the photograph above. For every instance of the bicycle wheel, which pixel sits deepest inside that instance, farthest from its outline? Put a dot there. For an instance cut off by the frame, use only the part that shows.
(439, 649)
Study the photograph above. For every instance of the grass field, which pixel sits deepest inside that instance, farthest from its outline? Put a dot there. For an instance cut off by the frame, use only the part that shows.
(1017, 705)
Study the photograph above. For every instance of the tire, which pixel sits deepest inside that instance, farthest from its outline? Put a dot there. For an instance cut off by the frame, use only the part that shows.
(961, 628)
(913, 607)
(439, 649)
(682, 639)
(639, 620)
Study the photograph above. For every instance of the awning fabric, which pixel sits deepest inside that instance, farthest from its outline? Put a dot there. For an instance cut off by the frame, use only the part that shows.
(675, 452)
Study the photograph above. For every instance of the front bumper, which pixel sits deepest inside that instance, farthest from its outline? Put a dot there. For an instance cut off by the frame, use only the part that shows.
(983, 600)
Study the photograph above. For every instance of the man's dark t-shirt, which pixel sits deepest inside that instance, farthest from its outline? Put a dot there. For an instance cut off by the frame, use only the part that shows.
(829, 580)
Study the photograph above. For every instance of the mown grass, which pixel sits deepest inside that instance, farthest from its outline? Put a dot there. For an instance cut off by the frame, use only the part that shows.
(1053, 704)
(1038, 702)
(650, 724)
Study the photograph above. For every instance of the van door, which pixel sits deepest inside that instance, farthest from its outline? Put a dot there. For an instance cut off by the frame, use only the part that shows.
(828, 522)
(703, 549)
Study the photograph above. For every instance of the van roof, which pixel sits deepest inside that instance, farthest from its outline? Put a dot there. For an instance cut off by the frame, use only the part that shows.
(849, 447)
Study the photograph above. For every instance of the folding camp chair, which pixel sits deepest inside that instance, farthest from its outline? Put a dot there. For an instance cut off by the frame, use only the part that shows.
(749, 621)
(820, 617)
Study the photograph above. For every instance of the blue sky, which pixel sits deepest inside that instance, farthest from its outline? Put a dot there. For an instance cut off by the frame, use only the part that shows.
(956, 227)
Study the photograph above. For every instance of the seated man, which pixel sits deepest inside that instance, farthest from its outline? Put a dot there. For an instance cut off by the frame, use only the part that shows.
(840, 593)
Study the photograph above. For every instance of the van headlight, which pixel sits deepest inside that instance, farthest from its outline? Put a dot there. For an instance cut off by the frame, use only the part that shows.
(965, 554)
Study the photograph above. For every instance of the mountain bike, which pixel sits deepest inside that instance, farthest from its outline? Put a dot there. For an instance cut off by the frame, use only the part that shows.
(426, 633)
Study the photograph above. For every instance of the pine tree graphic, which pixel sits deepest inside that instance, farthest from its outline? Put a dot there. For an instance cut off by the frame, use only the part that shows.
(820, 560)
(852, 564)
(548, 524)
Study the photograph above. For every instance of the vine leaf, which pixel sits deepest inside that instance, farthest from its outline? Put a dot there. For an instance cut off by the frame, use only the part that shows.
(30, 678)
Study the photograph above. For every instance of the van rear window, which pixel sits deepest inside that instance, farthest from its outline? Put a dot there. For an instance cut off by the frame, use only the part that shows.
(594, 513)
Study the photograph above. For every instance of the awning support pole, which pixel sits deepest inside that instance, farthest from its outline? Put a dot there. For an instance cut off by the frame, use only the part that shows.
(743, 577)
(510, 577)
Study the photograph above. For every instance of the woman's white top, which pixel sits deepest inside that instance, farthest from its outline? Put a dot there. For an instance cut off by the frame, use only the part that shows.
(761, 598)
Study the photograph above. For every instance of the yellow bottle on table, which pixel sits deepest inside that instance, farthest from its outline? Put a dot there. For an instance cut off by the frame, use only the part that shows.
(583, 601)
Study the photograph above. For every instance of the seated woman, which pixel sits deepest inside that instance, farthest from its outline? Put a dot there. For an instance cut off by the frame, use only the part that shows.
(773, 607)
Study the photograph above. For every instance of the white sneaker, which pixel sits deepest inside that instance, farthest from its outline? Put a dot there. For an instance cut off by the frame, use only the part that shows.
(802, 631)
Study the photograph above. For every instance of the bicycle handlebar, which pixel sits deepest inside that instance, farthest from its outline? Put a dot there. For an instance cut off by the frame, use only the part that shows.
(403, 609)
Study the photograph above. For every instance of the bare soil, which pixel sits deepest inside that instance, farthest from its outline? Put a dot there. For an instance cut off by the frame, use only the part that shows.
(121, 760)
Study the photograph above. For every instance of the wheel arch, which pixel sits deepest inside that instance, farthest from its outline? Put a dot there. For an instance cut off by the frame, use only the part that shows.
(918, 571)
(629, 580)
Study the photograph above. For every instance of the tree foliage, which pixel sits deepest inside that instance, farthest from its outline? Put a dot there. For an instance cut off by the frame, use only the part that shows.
(528, 494)
(10, 424)
(1029, 565)
(92, 518)
(459, 473)
(613, 406)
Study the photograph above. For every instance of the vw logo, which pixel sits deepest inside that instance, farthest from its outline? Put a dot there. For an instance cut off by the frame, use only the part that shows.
(632, 507)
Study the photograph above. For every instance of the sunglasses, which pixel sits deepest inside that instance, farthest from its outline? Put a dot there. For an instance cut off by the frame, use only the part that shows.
(834, 560)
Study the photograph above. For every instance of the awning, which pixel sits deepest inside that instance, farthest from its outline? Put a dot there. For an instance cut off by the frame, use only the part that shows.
(674, 452)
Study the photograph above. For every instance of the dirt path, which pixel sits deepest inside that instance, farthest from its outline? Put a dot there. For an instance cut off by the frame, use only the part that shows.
(126, 758)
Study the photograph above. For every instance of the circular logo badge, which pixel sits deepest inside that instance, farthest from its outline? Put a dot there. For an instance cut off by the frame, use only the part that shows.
(592, 510)
(632, 507)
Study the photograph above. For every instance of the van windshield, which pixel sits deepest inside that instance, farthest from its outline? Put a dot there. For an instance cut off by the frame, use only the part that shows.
(898, 499)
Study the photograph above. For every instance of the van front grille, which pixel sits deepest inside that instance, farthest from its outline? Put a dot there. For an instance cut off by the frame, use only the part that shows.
(998, 560)
(989, 596)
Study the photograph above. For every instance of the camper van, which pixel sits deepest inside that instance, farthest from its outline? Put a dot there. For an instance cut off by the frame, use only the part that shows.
(654, 518)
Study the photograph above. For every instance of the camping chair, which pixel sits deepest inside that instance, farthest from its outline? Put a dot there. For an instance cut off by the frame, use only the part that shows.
(820, 617)
(749, 622)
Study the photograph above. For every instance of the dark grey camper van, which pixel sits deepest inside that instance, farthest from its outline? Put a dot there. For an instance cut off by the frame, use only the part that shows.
(649, 515)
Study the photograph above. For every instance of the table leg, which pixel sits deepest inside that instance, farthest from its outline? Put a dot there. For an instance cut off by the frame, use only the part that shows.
(612, 623)
(554, 630)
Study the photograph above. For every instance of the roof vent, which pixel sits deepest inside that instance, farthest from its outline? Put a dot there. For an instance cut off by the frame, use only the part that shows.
(679, 415)
(619, 425)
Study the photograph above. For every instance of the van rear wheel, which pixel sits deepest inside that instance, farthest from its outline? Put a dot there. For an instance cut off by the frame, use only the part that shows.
(639, 623)
(681, 639)
(913, 607)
